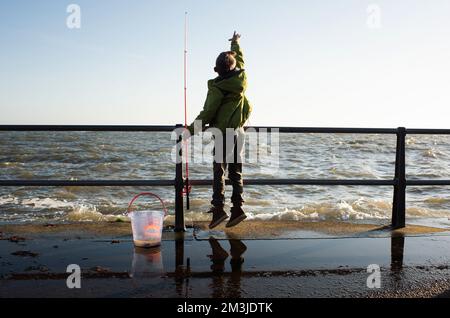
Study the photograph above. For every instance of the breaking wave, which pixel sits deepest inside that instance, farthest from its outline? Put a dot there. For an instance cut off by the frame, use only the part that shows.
(342, 210)
(46, 203)
(361, 209)
(90, 214)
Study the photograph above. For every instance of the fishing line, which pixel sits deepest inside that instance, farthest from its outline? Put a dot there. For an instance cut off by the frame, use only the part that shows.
(187, 188)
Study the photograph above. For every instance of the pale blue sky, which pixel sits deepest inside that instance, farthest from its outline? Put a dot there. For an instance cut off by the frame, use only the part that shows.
(309, 63)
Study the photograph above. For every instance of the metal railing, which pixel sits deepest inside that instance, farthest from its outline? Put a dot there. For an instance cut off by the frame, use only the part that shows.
(399, 182)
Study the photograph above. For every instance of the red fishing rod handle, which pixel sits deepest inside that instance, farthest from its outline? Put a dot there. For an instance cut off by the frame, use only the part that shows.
(148, 194)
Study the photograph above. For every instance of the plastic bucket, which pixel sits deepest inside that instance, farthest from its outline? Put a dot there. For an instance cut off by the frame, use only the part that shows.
(147, 225)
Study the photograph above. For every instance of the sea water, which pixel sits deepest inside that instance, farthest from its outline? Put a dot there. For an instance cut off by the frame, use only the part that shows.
(130, 155)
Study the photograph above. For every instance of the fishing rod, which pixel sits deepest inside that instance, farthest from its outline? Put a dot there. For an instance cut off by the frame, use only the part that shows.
(187, 188)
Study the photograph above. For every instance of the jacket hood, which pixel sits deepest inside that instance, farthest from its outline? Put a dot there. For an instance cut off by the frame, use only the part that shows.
(231, 82)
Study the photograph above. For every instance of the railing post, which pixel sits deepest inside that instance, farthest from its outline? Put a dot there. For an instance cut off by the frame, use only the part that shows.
(179, 184)
(179, 250)
(399, 203)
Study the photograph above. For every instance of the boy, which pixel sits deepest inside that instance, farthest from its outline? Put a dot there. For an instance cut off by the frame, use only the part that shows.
(227, 107)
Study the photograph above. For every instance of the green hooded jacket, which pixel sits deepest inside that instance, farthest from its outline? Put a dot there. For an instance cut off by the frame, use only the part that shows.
(226, 105)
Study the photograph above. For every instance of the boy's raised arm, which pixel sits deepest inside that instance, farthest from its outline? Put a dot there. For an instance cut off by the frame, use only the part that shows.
(235, 47)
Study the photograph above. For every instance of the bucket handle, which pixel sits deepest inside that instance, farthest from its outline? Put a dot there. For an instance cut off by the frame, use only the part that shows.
(149, 194)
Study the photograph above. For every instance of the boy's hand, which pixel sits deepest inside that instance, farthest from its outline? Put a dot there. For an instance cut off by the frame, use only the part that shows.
(235, 38)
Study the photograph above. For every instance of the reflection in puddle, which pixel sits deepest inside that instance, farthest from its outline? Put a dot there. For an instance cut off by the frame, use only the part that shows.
(147, 262)
(232, 287)
(397, 252)
(223, 284)
(181, 272)
(219, 256)
(219, 270)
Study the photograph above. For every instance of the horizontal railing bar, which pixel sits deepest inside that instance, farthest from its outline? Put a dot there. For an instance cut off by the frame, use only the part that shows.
(427, 182)
(163, 183)
(325, 130)
(325, 182)
(86, 183)
(414, 131)
(168, 128)
(154, 128)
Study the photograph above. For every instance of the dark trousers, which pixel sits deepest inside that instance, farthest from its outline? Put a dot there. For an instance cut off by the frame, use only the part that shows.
(231, 158)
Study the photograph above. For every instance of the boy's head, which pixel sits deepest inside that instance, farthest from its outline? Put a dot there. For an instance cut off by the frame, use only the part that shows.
(225, 62)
